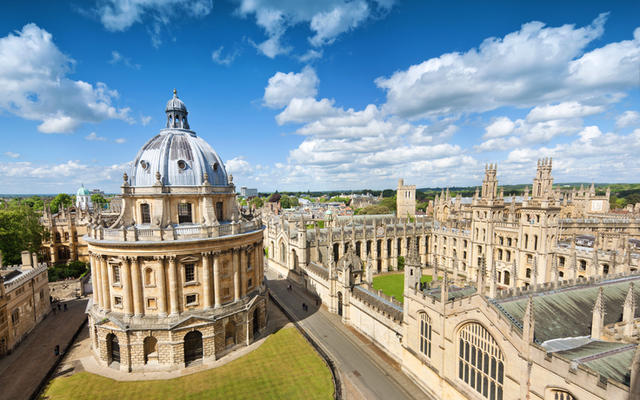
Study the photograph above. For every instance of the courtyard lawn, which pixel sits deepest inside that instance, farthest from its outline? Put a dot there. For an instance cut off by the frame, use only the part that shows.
(393, 284)
(285, 366)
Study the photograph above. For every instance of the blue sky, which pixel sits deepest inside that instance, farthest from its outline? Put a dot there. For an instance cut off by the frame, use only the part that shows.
(321, 95)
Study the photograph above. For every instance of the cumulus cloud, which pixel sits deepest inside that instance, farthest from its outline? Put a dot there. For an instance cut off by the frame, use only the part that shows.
(326, 19)
(221, 59)
(532, 66)
(238, 165)
(500, 127)
(145, 119)
(34, 78)
(503, 134)
(628, 118)
(120, 15)
(284, 87)
(570, 109)
(11, 154)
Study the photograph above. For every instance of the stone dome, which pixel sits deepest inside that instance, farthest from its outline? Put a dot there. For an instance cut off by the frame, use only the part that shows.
(179, 156)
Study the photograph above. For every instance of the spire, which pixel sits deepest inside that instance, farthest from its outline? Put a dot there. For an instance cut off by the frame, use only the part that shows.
(482, 269)
(412, 257)
(629, 305)
(444, 288)
(529, 322)
(597, 320)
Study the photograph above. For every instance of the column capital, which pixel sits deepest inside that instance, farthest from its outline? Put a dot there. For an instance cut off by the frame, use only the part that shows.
(159, 258)
(206, 253)
(172, 258)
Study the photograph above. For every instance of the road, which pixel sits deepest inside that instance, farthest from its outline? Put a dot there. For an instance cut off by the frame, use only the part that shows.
(373, 377)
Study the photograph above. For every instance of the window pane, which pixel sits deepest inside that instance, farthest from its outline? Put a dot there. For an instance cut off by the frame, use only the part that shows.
(500, 371)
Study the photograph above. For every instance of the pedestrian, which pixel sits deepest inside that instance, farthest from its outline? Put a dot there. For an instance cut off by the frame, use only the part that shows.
(56, 350)
(58, 306)
(65, 307)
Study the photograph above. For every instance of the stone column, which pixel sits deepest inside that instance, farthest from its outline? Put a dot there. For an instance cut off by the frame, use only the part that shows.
(162, 288)
(136, 284)
(95, 281)
(216, 279)
(127, 299)
(244, 263)
(206, 280)
(173, 286)
(236, 275)
(106, 281)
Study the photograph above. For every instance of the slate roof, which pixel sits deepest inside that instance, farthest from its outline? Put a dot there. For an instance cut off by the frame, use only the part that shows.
(610, 359)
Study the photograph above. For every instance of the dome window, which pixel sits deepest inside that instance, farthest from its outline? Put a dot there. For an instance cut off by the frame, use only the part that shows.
(144, 165)
(215, 167)
(182, 164)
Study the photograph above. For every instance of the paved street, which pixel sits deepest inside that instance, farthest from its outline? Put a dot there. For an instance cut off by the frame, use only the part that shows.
(22, 370)
(372, 376)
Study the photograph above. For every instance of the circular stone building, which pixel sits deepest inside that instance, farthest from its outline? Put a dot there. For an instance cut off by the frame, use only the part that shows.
(178, 277)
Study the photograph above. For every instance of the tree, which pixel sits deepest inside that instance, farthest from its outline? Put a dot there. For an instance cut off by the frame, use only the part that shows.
(389, 202)
(374, 209)
(20, 230)
(256, 202)
(400, 263)
(98, 200)
(61, 199)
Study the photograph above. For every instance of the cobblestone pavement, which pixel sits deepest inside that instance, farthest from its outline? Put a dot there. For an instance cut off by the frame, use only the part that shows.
(23, 370)
(365, 373)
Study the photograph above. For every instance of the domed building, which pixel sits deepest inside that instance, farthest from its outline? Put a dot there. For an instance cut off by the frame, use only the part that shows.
(83, 199)
(178, 278)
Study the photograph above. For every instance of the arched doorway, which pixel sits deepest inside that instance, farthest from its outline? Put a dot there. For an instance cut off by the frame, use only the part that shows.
(192, 347)
(113, 348)
(150, 349)
(230, 334)
(256, 323)
(340, 304)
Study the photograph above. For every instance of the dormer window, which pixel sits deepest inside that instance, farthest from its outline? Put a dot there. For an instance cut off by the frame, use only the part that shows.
(182, 165)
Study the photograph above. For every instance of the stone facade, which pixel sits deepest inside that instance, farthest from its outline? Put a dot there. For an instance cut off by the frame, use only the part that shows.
(405, 200)
(66, 230)
(24, 300)
(178, 277)
(519, 289)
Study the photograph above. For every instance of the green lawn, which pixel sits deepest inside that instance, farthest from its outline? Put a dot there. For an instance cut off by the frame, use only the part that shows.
(285, 366)
(393, 284)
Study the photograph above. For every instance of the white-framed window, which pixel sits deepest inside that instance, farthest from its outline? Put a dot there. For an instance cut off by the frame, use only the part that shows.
(116, 274)
(480, 361)
(184, 213)
(425, 334)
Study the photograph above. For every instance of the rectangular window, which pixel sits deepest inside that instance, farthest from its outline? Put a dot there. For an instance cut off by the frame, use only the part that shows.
(15, 316)
(116, 274)
(184, 213)
(189, 272)
(145, 213)
(117, 301)
(151, 303)
(219, 211)
(250, 283)
(192, 299)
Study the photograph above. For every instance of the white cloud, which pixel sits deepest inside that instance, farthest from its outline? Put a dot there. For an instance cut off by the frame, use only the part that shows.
(120, 140)
(94, 137)
(33, 75)
(11, 154)
(628, 118)
(218, 58)
(500, 127)
(117, 58)
(310, 55)
(145, 119)
(238, 165)
(120, 15)
(571, 109)
(284, 87)
(535, 65)
(305, 109)
(326, 19)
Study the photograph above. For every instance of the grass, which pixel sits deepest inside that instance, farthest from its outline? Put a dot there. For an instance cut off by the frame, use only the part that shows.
(285, 366)
(393, 284)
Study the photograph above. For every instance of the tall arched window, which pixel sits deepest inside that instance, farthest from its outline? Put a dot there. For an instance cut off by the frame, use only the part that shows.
(283, 253)
(425, 334)
(480, 361)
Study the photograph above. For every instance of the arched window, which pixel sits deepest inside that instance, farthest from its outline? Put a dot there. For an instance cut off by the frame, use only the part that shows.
(605, 269)
(528, 273)
(535, 242)
(558, 394)
(425, 334)
(507, 277)
(283, 253)
(480, 361)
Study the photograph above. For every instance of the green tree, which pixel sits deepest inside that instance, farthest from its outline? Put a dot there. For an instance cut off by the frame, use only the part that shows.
(61, 199)
(375, 209)
(389, 202)
(20, 230)
(257, 202)
(400, 263)
(99, 200)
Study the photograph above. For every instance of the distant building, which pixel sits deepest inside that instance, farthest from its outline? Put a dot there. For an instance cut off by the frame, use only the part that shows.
(24, 300)
(246, 192)
(83, 199)
(405, 200)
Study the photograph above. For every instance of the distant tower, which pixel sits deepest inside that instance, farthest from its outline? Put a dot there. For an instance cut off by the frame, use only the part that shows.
(405, 200)
(543, 182)
(490, 182)
(83, 199)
